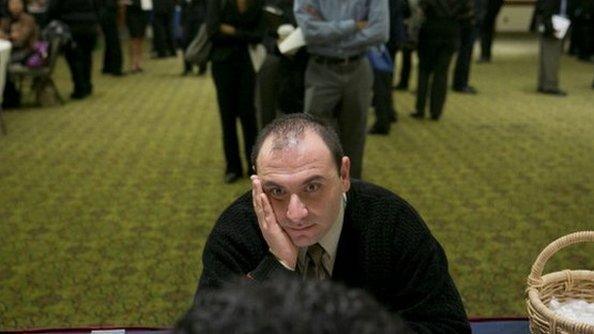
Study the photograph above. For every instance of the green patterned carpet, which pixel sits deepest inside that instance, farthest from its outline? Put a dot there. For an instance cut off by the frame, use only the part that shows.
(105, 204)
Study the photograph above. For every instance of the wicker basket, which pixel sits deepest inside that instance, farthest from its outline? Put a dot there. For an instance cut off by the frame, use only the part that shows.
(563, 285)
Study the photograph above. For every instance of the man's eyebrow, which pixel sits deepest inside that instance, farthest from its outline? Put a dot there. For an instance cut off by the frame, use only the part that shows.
(313, 178)
(271, 184)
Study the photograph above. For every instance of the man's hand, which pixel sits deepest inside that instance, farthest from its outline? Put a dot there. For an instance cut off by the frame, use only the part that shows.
(361, 25)
(227, 29)
(277, 239)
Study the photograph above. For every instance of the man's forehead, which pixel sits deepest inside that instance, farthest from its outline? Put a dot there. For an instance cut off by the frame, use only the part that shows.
(293, 154)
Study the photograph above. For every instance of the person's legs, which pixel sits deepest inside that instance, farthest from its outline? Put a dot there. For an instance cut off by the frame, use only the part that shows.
(425, 68)
(159, 32)
(352, 118)
(112, 61)
(224, 76)
(382, 102)
(464, 58)
(267, 89)
(439, 86)
(550, 54)
(406, 67)
(323, 91)
(247, 110)
(75, 59)
(488, 28)
(87, 46)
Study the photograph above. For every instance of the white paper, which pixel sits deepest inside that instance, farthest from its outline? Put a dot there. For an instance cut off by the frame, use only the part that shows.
(293, 42)
(561, 25)
(257, 55)
(146, 4)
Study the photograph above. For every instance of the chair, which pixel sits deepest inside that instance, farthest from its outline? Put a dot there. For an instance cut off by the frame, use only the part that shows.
(40, 77)
(5, 48)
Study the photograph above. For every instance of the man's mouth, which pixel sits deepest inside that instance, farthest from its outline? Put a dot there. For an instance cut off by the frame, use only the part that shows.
(299, 228)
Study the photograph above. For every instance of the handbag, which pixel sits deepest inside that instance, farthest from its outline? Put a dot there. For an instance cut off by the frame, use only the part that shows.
(380, 59)
(198, 51)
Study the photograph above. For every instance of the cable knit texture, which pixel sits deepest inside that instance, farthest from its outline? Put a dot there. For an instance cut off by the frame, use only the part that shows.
(385, 248)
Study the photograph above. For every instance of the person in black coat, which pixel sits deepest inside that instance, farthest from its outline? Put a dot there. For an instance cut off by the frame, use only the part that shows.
(112, 60)
(193, 14)
(383, 103)
(82, 18)
(438, 40)
(233, 25)
(488, 28)
(464, 58)
(163, 28)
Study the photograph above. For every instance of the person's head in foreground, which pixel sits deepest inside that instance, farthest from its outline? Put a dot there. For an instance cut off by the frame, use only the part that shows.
(302, 171)
(288, 306)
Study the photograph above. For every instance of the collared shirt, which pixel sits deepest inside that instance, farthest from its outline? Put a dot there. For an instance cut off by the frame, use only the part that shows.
(329, 26)
(329, 242)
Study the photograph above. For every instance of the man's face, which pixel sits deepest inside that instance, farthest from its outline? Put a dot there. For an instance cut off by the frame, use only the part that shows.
(303, 186)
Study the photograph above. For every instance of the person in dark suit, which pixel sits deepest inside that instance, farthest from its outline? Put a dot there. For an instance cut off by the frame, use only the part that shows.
(551, 46)
(464, 57)
(233, 25)
(82, 18)
(492, 9)
(163, 28)
(112, 59)
(383, 103)
(438, 40)
(192, 16)
(305, 217)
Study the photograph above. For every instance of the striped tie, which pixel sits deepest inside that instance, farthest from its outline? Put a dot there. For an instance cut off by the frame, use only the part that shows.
(314, 268)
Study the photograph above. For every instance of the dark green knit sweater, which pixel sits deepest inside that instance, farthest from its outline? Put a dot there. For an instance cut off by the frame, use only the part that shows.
(385, 248)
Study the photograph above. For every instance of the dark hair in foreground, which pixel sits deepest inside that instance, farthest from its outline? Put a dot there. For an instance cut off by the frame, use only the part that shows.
(288, 306)
(288, 127)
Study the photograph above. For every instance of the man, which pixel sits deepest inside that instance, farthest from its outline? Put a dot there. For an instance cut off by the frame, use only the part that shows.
(551, 46)
(287, 306)
(112, 59)
(383, 103)
(338, 78)
(492, 8)
(306, 217)
(464, 58)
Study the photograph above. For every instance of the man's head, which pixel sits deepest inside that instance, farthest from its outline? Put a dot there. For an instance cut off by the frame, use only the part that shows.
(288, 306)
(304, 174)
(15, 7)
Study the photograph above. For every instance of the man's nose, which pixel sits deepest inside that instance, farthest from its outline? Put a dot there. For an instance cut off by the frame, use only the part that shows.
(296, 210)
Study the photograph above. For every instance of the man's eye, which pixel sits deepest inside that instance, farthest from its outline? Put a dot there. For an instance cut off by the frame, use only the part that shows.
(312, 187)
(276, 192)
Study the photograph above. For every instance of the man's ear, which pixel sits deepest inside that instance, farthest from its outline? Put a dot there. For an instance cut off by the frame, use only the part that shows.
(345, 173)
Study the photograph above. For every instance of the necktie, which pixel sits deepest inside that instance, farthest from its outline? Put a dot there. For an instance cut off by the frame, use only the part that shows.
(314, 268)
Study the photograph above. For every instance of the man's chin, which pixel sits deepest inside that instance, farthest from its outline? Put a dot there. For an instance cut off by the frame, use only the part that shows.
(302, 239)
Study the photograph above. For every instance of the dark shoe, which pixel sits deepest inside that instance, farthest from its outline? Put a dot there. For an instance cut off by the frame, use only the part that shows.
(401, 87)
(118, 74)
(435, 117)
(417, 115)
(465, 90)
(79, 95)
(483, 60)
(379, 130)
(556, 92)
(232, 177)
(393, 116)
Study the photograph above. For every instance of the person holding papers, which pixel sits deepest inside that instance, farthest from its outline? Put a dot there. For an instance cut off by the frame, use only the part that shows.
(552, 24)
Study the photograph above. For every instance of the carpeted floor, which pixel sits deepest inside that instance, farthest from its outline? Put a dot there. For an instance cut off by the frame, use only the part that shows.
(105, 204)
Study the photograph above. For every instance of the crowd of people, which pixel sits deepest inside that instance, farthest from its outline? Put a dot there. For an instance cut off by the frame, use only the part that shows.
(335, 76)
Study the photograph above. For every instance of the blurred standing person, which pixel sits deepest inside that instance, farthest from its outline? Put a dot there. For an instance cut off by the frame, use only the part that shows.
(112, 59)
(339, 78)
(192, 16)
(233, 25)
(438, 39)
(407, 49)
(163, 28)
(551, 47)
(488, 28)
(136, 21)
(383, 102)
(82, 18)
(464, 57)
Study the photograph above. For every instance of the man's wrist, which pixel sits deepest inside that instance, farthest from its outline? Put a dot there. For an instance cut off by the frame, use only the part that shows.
(283, 262)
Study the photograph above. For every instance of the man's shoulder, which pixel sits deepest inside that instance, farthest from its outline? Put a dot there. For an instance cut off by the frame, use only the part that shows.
(379, 208)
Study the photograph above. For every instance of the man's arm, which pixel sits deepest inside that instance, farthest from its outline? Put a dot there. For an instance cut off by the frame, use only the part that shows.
(377, 30)
(425, 293)
(316, 30)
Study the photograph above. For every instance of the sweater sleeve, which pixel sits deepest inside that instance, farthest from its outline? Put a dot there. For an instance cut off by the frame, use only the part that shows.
(236, 249)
